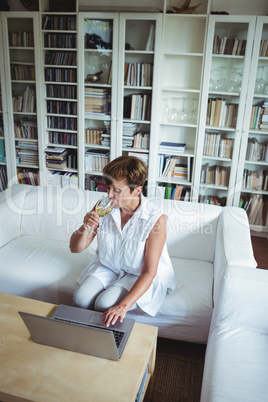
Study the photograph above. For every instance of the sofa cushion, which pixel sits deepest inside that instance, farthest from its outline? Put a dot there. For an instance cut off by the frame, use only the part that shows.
(195, 221)
(186, 313)
(41, 269)
(55, 213)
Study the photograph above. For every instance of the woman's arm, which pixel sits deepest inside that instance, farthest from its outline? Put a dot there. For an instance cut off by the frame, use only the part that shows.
(153, 250)
(83, 237)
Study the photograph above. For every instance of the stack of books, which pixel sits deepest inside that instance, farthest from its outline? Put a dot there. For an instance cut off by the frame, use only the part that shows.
(97, 100)
(56, 158)
(172, 147)
(27, 153)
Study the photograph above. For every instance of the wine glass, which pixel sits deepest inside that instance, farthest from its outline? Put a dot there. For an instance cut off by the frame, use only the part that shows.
(260, 82)
(102, 208)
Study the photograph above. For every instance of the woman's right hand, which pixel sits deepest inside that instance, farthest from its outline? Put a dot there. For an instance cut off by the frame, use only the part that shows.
(91, 219)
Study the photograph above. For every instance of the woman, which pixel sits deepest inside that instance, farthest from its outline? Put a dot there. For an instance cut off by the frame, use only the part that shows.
(132, 267)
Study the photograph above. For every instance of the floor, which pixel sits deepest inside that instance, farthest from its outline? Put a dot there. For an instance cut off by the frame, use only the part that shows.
(260, 250)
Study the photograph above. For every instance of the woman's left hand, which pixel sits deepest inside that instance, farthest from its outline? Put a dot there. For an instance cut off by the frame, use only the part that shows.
(113, 314)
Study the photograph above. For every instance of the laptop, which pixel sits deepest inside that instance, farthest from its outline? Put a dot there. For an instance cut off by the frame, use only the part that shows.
(79, 330)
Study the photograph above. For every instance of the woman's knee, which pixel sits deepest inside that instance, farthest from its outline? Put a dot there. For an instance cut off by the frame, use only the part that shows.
(87, 292)
(110, 297)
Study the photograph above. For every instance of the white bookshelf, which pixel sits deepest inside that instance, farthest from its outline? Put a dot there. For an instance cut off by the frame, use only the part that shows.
(246, 191)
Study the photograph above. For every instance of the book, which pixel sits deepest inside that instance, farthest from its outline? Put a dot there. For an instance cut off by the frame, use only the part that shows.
(171, 146)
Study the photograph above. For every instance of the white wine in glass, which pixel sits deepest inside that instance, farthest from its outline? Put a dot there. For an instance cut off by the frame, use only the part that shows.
(104, 206)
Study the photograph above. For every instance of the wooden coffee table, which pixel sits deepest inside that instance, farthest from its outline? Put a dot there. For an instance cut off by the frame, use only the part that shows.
(33, 372)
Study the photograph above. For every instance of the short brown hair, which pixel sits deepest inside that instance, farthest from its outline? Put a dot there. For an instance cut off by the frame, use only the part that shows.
(130, 168)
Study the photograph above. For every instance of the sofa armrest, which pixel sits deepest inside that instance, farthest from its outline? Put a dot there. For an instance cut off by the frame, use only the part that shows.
(11, 205)
(236, 356)
(233, 243)
(241, 299)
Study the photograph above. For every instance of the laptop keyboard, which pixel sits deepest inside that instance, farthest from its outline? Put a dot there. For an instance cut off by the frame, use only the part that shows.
(118, 335)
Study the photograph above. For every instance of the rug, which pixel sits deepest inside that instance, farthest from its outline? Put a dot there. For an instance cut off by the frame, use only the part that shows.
(177, 378)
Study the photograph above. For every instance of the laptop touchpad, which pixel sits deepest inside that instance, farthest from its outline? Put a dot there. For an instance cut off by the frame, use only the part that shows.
(96, 319)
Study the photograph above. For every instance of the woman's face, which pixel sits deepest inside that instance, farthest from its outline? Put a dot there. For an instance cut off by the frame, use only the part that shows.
(120, 193)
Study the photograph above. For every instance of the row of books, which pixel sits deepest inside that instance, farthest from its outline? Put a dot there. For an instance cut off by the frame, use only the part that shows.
(59, 40)
(173, 192)
(21, 39)
(59, 22)
(26, 128)
(212, 200)
(61, 74)
(256, 151)
(221, 114)
(174, 166)
(2, 150)
(263, 48)
(137, 106)
(27, 153)
(95, 183)
(141, 140)
(61, 107)
(255, 179)
(26, 102)
(3, 178)
(229, 46)
(60, 158)
(141, 155)
(94, 135)
(256, 208)
(26, 176)
(259, 117)
(95, 160)
(22, 72)
(2, 132)
(216, 145)
(62, 138)
(138, 74)
(62, 179)
(60, 58)
(216, 175)
(62, 123)
(61, 91)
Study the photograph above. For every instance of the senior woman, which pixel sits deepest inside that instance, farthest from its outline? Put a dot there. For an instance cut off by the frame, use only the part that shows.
(132, 267)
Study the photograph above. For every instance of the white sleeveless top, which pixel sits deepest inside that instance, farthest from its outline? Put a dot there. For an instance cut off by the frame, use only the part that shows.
(120, 255)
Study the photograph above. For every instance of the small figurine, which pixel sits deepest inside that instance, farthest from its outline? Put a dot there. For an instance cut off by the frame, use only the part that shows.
(184, 9)
(93, 78)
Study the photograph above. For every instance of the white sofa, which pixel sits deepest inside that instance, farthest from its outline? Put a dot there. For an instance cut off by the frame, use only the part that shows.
(203, 240)
(236, 364)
